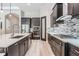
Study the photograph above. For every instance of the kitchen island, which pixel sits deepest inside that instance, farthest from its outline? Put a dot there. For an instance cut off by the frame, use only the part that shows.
(16, 45)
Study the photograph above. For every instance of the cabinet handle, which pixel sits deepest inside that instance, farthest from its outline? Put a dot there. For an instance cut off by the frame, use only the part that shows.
(60, 43)
(76, 51)
(16, 43)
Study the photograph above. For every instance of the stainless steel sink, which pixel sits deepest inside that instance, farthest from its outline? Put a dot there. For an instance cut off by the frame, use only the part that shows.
(17, 36)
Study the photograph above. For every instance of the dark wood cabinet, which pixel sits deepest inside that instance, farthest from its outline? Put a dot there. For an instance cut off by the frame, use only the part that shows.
(56, 45)
(26, 44)
(70, 8)
(13, 50)
(21, 48)
(76, 8)
(57, 12)
(62, 48)
(18, 49)
(35, 21)
(73, 50)
(73, 9)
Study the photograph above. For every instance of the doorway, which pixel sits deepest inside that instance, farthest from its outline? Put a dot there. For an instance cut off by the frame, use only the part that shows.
(43, 28)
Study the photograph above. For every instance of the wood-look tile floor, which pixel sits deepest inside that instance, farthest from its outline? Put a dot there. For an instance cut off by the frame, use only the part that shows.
(39, 48)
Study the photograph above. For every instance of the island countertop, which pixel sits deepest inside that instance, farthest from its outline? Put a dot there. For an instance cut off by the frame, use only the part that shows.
(73, 41)
(6, 40)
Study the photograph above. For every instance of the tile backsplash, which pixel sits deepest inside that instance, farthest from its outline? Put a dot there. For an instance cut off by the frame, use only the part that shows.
(69, 27)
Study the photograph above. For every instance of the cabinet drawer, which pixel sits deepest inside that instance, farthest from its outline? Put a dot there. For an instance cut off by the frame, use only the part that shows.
(13, 50)
(57, 40)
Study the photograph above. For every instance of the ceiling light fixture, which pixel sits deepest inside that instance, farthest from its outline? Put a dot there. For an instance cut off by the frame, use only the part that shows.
(1, 7)
(10, 10)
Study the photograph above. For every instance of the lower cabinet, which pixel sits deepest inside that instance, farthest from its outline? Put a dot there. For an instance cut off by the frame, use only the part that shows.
(19, 48)
(61, 48)
(73, 50)
(13, 50)
(26, 45)
(56, 45)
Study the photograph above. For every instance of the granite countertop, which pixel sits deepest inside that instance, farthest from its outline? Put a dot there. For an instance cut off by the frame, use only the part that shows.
(6, 40)
(73, 41)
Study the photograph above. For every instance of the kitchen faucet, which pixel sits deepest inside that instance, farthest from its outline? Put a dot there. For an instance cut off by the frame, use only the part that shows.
(13, 31)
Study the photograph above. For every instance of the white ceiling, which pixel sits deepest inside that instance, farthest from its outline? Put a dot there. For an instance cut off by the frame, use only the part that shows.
(33, 6)
(32, 10)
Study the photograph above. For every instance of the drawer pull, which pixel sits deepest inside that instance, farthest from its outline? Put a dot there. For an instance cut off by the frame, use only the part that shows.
(60, 43)
(76, 51)
(16, 43)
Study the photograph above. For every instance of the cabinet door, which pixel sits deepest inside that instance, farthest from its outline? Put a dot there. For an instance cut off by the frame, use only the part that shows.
(26, 45)
(59, 9)
(76, 8)
(56, 46)
(53, 16)
(21, 48)
(35, 21)
(13, 50)
(73, 8)
(70, 8)
(58, 49)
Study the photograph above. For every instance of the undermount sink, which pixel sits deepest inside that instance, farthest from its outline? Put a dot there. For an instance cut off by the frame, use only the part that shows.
(17, 36)
(65, 36)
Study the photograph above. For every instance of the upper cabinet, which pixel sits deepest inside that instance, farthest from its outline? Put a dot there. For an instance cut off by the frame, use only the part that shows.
(70, 8)
(73, 9)
(57, 12)
(35, 21)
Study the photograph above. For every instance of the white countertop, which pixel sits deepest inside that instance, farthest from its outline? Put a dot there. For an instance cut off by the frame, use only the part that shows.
(2, 54)
(6, 40)
(73, 41)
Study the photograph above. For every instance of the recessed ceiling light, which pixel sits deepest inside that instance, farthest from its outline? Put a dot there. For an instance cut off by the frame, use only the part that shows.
(1, 7)
(28, 4)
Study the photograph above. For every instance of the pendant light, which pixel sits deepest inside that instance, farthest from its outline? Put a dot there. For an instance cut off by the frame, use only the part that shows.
(10, 10)
(1, 7)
